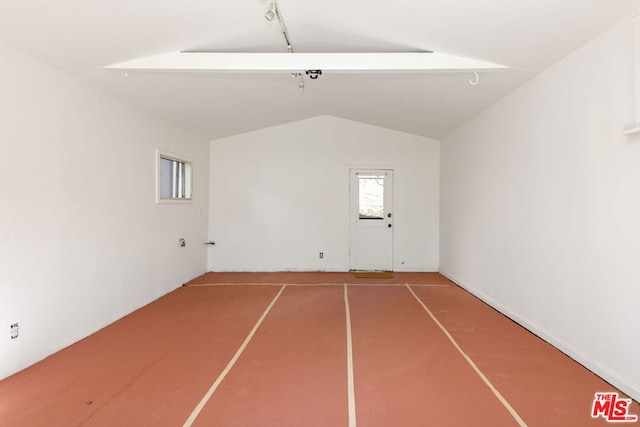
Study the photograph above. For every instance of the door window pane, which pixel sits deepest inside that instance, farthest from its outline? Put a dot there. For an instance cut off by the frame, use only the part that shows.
(371, 196)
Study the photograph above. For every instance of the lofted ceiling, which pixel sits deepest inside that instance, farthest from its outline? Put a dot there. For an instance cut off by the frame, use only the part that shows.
(80, 37)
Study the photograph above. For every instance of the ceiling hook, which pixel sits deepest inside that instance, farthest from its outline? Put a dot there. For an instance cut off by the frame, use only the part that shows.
(477, 79)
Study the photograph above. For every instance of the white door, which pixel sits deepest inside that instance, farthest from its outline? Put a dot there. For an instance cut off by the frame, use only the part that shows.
(371, 218)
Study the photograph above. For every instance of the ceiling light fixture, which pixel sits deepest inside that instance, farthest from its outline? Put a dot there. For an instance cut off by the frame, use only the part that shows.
(271, 13)
(274, 12)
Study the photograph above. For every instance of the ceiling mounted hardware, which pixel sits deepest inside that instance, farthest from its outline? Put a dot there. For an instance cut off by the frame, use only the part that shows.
(313, 74)
(475, 80)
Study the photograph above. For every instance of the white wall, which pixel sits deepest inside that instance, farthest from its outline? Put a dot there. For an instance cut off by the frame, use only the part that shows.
(279, 196)
(82, 241)
(540, 208)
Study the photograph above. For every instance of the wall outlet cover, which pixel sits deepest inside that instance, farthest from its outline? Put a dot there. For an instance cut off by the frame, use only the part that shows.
(14, 331)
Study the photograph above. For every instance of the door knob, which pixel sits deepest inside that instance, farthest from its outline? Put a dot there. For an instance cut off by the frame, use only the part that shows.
(389, 225)
(389, 215)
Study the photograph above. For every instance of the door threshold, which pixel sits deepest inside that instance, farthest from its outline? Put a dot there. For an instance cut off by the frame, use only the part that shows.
(373, 274)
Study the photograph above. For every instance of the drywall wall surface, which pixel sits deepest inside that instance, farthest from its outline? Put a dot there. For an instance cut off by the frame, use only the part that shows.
(540, 208)
(280, 196)
(82, 241)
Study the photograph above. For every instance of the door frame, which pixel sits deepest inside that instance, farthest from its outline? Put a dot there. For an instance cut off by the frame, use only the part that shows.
(364, 168)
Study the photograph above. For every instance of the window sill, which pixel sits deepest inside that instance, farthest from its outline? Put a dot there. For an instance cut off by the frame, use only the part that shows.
(173, 201)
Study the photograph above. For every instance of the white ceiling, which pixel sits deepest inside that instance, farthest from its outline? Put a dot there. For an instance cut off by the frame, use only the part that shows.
(82, 36)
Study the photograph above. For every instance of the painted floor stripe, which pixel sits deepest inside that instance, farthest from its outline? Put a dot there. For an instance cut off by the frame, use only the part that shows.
(351, 391)
(501, 398)
(232, 362)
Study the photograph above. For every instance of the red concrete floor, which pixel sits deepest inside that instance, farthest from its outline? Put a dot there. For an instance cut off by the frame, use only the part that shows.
(293, 372)
(241, 349)
(407, 373)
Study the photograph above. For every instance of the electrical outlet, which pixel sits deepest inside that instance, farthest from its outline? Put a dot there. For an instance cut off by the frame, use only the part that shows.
(14, 331)
(321, 255)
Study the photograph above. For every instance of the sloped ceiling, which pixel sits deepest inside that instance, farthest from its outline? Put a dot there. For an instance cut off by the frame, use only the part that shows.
(80, 37)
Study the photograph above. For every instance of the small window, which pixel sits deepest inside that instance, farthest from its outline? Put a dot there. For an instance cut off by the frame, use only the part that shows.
(173, 180)
(371, 196)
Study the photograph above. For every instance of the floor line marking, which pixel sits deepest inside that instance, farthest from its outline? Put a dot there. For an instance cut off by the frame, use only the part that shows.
(351, 391)
(315, 284)
(232, 362)
(501, 398)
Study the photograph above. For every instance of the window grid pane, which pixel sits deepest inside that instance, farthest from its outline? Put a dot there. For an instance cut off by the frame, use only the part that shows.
(173, 180)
